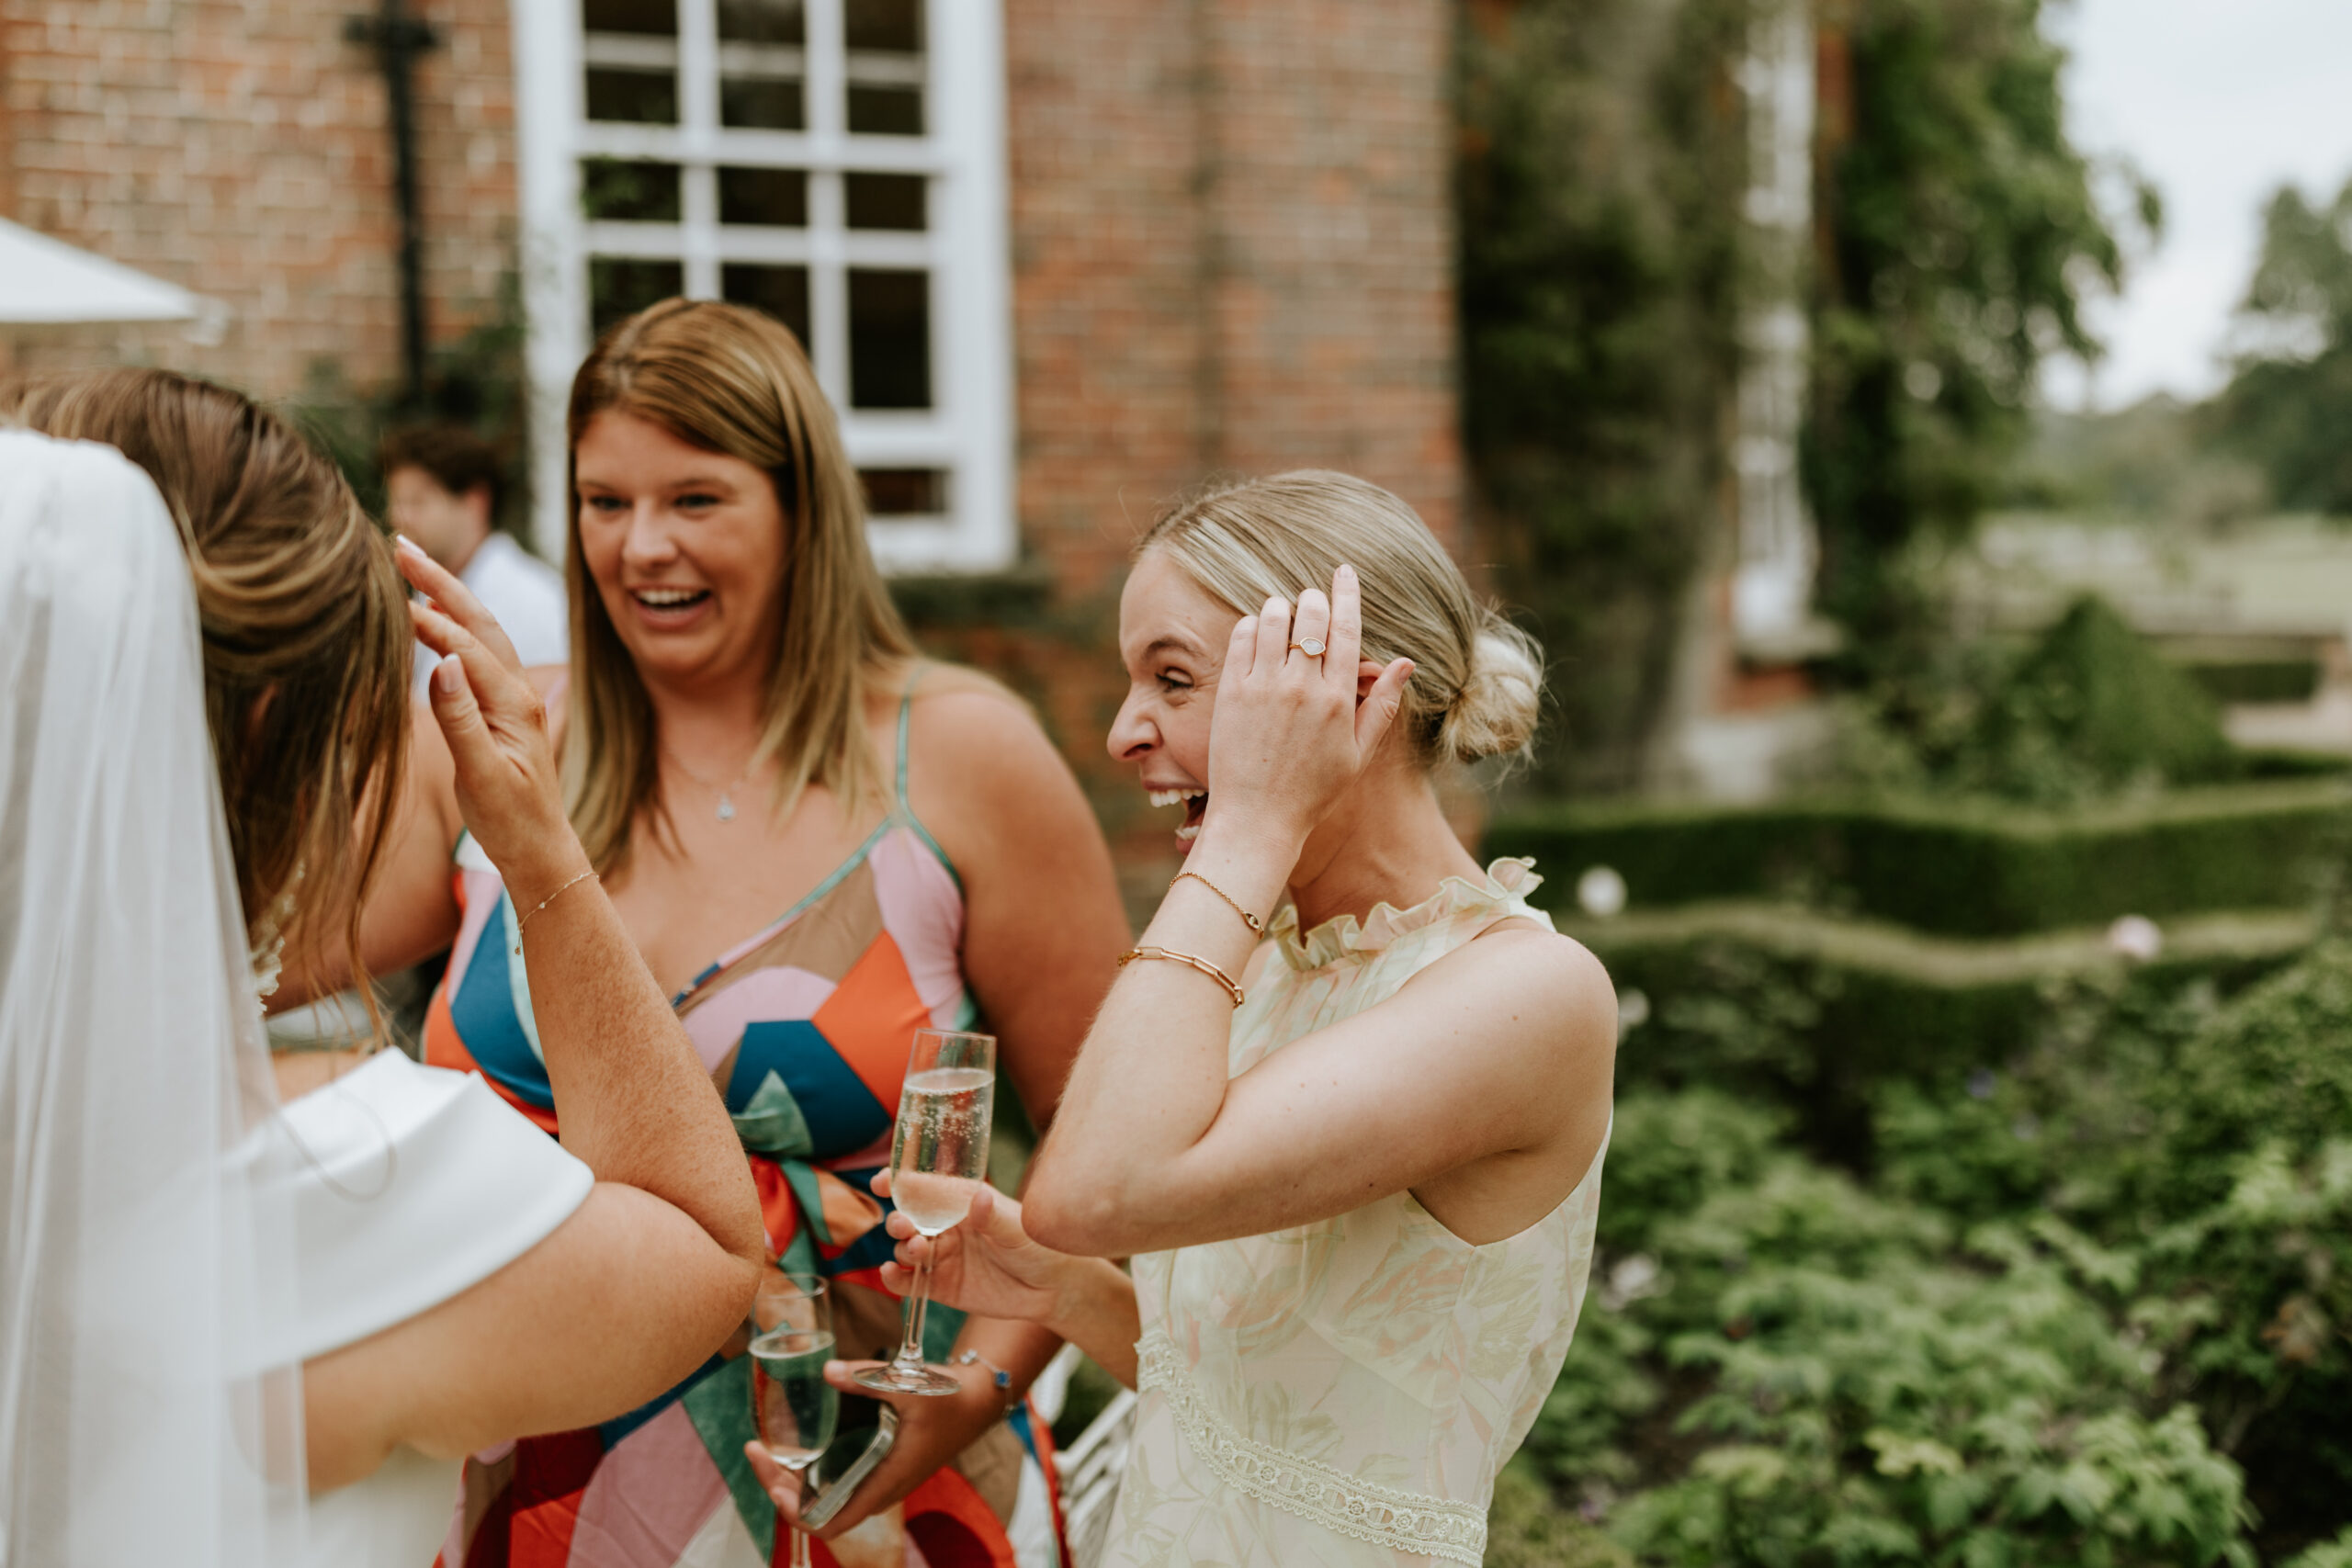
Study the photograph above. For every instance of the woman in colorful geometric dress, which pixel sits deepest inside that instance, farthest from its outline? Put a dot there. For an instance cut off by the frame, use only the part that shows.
(1357, 1165)
(820, 844)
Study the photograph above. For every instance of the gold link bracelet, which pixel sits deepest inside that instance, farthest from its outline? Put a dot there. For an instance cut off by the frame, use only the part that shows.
(1203, 964)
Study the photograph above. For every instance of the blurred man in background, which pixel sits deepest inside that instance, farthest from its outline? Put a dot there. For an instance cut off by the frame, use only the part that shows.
(441, 488)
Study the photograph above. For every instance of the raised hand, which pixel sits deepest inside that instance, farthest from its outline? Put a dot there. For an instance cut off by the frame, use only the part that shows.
(496, 727)
(1299, 711)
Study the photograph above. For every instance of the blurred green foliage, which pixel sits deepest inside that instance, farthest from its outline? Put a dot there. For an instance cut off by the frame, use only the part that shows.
(2090, 710)
(2093, 708)
(1598, 186)
(2289, 406)
(2086, 1302)
(1961, 237)
(476, 380)
(1954, 865)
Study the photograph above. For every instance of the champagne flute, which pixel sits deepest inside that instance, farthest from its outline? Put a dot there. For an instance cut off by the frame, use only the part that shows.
(939, 1157)
(793, 1407)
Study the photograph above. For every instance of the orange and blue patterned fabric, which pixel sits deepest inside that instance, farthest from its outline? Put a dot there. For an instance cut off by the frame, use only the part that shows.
(806, 1029)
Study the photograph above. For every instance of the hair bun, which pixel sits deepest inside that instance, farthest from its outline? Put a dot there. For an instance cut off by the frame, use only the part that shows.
(1496, 713)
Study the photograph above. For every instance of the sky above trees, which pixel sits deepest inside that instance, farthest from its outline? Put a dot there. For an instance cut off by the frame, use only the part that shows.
(2219, 102)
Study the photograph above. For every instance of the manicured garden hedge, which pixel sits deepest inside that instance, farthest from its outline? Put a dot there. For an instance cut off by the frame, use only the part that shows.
(1962, 868)
(2290, 680)
(1813, 1009)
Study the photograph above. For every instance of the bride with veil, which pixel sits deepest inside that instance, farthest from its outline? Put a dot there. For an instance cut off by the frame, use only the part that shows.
(233, 1332)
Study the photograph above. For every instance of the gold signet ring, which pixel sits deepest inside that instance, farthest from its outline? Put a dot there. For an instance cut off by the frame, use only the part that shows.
(1311, 647)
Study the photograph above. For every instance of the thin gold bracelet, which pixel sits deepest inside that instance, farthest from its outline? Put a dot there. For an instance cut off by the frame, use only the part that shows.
(1257, 927)
(552, 898)
(1203, 964)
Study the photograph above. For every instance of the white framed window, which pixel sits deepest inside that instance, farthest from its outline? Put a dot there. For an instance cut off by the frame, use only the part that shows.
(839, 163)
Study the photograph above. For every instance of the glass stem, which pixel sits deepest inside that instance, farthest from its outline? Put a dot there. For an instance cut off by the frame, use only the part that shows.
(918, 1302)
(799, 1549)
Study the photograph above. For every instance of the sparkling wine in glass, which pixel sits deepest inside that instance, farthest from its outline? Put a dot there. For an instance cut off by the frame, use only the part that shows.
(793, 1407)
(939, 1158)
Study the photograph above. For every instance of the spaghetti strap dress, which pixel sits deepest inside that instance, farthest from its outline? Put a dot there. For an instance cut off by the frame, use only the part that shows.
(1344, 1392)
(805, 1027)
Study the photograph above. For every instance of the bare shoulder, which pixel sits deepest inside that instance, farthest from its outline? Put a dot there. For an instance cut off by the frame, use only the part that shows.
(1530, 984)
(993, 736)
(950, 699)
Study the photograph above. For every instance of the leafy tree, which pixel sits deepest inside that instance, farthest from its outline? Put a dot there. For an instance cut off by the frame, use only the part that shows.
(2289, 407)
(1959, 234)
(1599, 190)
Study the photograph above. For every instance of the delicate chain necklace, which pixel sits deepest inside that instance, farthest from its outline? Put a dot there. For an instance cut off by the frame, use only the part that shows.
(725, 792)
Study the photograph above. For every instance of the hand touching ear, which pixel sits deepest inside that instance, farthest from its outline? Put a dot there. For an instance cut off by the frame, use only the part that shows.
(1300, 713)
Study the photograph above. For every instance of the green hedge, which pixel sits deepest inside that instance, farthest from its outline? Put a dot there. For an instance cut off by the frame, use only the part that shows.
(1814, 1011)
(1957, 868)
(2255, 679)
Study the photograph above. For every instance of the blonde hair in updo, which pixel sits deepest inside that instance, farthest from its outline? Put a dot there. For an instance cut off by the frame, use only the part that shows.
(1477, 684)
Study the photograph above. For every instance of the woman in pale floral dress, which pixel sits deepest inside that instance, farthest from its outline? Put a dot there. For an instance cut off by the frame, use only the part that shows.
(1361, 1201)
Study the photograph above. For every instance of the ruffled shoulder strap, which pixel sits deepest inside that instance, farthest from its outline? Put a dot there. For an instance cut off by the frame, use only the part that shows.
(1461, 907)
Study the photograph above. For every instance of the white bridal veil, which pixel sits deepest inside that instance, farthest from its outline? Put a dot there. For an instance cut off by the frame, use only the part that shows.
(148, 1241)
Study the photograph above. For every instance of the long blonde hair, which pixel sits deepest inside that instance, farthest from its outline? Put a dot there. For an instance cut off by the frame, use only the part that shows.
(729, 379)
(306, 633)
(1477, 684)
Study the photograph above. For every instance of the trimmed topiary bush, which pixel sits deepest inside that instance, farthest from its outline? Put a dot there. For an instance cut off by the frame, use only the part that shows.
(2094, 698)
(1962, 868)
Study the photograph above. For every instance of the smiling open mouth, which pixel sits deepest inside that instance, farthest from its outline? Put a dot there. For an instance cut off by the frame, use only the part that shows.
(1196, 808)
(670, 600)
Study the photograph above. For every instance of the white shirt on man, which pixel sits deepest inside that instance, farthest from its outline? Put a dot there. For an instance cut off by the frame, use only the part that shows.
(526, 594)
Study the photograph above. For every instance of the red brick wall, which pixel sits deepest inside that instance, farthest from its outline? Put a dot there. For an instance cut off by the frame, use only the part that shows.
(1232, 252)
(238, 148)
(1230, 222)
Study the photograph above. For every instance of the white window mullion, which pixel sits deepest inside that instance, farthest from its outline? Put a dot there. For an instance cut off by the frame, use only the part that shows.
(828, 112)
(699, 70)
(699, 243)
(698, 121)
(549, 108)
(828, 286)
(971, 287)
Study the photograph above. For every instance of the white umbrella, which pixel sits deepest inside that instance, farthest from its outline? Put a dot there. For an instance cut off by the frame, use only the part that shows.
(45, 281)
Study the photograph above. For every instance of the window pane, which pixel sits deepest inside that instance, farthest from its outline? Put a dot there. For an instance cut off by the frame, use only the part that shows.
(628, 191)
(885, 201)
(760, 21)
(644, 97)
(777, 197)
(630, 16)
(905, 492)
(760, 103)
(619, 288)
(889, 339)
(892, 25)
(781, 291)
(884, 111)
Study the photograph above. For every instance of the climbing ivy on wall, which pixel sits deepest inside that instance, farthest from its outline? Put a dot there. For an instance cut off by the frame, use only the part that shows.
(1600, 165)
(1958, 235)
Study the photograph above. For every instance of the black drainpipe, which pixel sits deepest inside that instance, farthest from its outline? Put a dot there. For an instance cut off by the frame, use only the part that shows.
(398, 37)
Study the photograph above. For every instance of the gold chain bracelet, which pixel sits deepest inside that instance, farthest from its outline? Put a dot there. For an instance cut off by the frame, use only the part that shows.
(545, 902)
(1203, 964)
(1257, 927)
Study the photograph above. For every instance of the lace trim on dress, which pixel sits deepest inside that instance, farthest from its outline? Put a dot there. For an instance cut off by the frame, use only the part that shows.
(1507, 881)
(1362, 1510)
